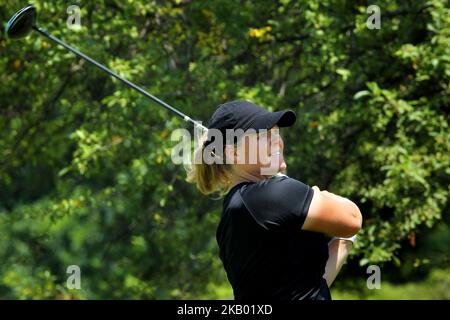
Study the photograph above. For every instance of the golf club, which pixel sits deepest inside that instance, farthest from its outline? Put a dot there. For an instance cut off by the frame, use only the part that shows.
(24, 21)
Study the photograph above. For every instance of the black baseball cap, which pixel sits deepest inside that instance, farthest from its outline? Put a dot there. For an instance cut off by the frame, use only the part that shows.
(242, 114)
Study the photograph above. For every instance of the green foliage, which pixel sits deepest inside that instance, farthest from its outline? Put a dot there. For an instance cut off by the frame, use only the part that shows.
(85, 171)
(436, 286)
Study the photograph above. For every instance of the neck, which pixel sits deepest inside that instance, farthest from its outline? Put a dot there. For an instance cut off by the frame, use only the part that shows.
(239, 177)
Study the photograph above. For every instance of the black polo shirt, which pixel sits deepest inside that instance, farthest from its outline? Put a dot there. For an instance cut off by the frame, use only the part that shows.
(265, 253)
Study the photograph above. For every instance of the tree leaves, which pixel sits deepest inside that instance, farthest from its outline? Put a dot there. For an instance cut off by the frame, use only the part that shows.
(85, 170)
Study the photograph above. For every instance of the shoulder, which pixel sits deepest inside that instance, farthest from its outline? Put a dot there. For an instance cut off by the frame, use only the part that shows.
(276, 188)
(277, 203)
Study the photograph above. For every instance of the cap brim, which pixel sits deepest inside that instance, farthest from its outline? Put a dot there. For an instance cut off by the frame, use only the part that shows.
(285, 118)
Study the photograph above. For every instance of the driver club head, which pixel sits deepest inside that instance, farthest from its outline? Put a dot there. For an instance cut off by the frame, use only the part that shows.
(21, 23)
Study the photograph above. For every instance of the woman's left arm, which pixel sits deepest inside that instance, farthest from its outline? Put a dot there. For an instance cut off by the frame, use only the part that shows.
(338, 250)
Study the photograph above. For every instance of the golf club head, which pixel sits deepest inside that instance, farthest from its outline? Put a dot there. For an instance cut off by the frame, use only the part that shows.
(21, 23)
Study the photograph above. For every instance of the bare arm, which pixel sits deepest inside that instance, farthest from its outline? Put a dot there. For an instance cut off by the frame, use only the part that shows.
(332, 214)
(338, 251)
(336, 216)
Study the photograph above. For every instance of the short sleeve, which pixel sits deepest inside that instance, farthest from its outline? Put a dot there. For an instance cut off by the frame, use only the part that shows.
(278, 203)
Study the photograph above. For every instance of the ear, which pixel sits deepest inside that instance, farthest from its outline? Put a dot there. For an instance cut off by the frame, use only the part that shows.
(230, 154)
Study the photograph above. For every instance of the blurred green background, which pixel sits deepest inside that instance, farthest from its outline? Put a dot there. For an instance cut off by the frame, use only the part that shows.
(86, 176)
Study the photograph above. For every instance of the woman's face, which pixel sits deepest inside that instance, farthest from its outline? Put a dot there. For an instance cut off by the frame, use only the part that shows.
(263, 157)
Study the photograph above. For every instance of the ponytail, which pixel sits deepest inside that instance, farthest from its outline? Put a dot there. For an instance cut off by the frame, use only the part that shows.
(209, 178)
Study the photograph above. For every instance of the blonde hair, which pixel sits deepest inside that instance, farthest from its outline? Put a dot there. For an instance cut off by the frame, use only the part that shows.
(209, 178)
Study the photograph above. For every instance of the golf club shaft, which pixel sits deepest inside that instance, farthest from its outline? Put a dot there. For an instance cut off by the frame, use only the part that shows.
(115, 75)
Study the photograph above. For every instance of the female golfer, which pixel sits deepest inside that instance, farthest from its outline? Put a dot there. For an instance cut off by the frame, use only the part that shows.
(273, 232)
